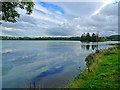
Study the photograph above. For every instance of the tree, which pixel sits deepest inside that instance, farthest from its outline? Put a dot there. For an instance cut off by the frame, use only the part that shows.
(88, 37)
(10, 13)
(93, 37)
(97, 37)
(82, 37)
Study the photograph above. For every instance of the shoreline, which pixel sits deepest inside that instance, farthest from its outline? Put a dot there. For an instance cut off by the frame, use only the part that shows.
(101, 72)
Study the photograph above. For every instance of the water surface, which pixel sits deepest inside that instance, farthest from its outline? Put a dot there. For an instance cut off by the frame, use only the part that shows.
(48, 63)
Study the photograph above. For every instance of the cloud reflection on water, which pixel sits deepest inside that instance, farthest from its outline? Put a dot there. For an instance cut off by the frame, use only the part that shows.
(44, 60)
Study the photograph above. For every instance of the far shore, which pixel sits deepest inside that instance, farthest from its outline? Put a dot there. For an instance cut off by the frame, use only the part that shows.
(82, 38)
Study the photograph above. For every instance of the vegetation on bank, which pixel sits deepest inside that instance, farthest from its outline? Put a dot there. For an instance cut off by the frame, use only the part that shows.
(102, 70)
(83, 38)
(113, 38)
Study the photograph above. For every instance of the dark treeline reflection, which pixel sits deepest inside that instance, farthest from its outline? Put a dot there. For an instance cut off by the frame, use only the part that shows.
(88, 47)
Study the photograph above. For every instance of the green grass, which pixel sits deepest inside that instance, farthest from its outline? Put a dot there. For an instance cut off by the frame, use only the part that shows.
(103, 73)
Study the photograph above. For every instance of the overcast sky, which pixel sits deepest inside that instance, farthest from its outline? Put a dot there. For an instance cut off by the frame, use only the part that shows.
(65, 19)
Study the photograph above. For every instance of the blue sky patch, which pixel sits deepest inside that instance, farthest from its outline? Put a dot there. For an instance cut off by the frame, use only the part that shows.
(116, 2)
(52, 7)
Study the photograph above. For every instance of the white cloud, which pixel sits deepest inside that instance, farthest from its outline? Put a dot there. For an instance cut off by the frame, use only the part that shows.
(11, 29)
(58, 12)
(43, 22)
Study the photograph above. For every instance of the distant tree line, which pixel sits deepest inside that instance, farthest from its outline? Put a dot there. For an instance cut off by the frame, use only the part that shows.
(113, 38)
(84, 38)
(40, 38)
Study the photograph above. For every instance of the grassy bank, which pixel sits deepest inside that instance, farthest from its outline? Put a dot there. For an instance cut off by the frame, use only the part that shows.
(102, 70)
